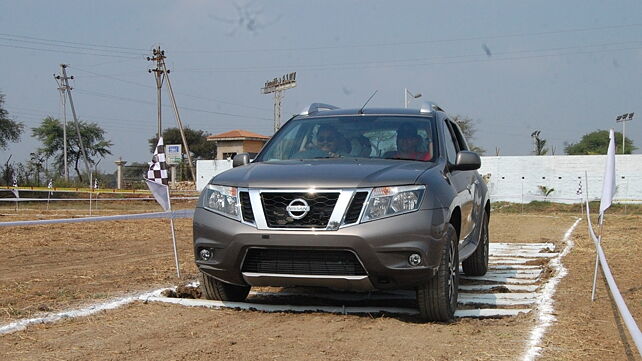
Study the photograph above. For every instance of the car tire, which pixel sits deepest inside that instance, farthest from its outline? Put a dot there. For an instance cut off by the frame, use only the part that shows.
(221, 291)
(437, 298)
(477, 263)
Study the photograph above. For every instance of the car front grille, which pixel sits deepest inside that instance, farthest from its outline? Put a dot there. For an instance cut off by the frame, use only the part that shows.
(302, 262)
(355, 207)
(321, 207)
(246, 207)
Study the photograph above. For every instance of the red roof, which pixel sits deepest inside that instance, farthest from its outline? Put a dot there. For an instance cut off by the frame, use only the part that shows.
(237, 134)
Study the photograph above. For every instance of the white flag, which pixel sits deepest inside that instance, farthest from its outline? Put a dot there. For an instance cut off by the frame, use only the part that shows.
(50, 185)
(160, 193)
(157, 177)
(15, 185)
(608, 185)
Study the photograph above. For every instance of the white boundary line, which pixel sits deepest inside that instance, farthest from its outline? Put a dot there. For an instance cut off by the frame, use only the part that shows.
(86, 311)
(545, 310)
(182, 213)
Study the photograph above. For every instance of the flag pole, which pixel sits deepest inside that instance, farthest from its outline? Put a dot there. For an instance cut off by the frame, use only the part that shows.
(90, 185)
(587, 215)
(597, 257)
(157, 181)
(48, 197)
(171, 222)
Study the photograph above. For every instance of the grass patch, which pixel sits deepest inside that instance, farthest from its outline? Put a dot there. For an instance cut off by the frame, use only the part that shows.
(555, 208)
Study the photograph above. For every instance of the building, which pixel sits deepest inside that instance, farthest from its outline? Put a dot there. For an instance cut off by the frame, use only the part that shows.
(236, 141)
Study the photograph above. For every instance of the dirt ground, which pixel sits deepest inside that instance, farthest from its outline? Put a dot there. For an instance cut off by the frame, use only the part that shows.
(588, 330)
(54, 268)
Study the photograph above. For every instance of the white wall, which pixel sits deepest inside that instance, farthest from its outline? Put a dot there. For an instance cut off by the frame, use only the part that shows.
(206, 169)
(516, 179)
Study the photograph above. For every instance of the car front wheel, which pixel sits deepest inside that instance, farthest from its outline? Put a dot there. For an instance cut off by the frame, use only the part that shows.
(221, 291)
(477, 263)
(437, 298)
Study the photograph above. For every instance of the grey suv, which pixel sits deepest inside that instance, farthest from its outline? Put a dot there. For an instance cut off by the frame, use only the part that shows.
(357, 199)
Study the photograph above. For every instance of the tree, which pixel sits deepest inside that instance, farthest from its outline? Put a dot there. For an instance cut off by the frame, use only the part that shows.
(196, 140)
(50, 133)
(597, 142)
(467, 127)
(540, 143)
(546, 191)
(10, 130)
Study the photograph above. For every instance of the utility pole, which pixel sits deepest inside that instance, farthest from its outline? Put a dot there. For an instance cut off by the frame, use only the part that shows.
(623, 119)
(65, 79)
(407, 92)
(277, 86)
(60, 80)
(161, 73)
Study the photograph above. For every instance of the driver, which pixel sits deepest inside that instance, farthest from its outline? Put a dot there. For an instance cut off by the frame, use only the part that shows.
(328, 139)
(329, 144)
(409, 145)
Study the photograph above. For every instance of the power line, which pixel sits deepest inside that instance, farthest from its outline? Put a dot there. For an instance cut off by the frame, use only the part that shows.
(104, 95)
(65, 46)
(40, 114)
(71, 42)
(180, 93)
(426, 61)
(68, 52)
(416, 42)
(127, 50)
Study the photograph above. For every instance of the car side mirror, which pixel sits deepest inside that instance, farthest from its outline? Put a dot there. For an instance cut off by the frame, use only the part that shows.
(240, 159)
(467, 160)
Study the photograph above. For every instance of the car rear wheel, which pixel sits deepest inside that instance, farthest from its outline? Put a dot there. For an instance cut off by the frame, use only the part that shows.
(477, 263)
(437, 298)
(221, 291)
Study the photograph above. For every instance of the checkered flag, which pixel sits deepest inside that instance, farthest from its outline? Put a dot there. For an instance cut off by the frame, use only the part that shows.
(157, 176)
(157, 182)
(579, 189)
(158, 167)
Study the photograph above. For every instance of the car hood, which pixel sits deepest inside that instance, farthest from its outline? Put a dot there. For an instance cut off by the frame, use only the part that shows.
(324, 173)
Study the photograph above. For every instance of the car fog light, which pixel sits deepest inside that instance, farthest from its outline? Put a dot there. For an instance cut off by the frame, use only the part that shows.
(414, 259)
(205, 254)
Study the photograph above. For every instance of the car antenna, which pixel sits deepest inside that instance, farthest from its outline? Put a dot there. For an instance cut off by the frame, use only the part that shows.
(367, 101)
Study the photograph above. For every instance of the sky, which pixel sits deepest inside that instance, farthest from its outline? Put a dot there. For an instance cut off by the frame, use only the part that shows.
(565, 68)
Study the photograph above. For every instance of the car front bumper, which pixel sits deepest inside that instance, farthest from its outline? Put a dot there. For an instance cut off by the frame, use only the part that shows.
(382, 247)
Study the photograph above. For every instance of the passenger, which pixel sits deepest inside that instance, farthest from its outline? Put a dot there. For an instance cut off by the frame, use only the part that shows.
(361, 147)
(410, 145)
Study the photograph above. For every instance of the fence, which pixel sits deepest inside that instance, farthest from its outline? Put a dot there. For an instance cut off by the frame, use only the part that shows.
(523, 179)
(519, 179)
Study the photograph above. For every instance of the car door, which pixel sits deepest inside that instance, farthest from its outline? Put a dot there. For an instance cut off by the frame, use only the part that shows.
(463, 181)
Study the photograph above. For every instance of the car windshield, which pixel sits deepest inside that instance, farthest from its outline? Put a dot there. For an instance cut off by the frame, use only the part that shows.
(369, 136)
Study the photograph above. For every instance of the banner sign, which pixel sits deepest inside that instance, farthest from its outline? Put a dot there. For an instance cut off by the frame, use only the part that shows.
(173, 153)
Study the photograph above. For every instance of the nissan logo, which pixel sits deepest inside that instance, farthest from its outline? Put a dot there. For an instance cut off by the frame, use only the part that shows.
(298, 208)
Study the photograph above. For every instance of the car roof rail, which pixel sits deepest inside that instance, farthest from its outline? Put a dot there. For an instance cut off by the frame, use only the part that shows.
(315, 107)
(429, 107)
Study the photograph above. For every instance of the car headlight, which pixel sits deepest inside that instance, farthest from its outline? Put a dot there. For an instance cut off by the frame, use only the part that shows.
(390, 201)
(223, 200)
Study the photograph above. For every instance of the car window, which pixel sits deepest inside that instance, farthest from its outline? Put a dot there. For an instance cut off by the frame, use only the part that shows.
(450, 143)
(461, 140)
(370, 136)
